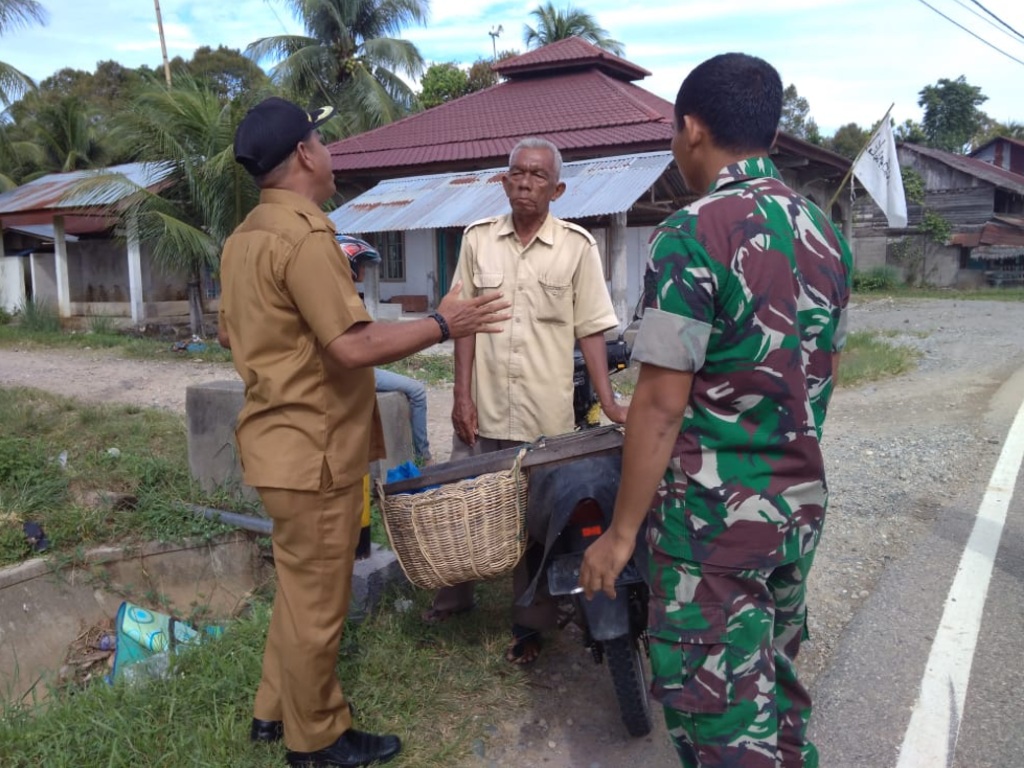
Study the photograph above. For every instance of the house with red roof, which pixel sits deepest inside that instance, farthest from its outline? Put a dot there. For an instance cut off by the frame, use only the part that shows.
(982, 201)
(412, 186)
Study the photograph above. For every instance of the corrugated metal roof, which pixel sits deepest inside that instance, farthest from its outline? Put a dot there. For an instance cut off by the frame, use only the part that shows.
(593, 188)
(979, 169)
(53, 192)
(42, 231)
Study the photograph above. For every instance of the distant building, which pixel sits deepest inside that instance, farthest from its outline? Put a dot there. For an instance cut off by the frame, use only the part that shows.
(412, 186)
(983, 202)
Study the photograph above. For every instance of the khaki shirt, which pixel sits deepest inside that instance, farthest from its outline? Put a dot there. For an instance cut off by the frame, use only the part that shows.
(287, 293)
(522, 377)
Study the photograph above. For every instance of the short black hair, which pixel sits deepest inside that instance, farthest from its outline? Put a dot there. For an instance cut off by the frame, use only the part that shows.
(738, 97)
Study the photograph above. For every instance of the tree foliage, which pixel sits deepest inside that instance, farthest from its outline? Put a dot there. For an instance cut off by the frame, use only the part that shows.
(992, 129)
(14, 14)
(951, 114)
(554, 24)
(910, 132)
(225, 71)
(796, 119)
(206, 194)
(441, 83)
(848, 140)
(349, 58)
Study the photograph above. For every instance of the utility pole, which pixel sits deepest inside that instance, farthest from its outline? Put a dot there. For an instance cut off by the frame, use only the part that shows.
(494, 39)
(163, 43)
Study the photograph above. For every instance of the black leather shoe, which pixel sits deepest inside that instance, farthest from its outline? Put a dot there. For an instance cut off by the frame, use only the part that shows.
(266, 731)
(353, 749)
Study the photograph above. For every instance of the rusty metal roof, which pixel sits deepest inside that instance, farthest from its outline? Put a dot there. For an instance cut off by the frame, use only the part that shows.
(56, 191)
(593, 188)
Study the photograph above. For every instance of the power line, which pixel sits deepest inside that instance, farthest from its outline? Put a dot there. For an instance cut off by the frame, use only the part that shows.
(986, 10)
(969, 32)
(988, 21)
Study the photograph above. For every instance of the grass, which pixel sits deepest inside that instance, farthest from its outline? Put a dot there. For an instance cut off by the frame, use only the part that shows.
(957, 294)
(870, 356)
(437, 687)
(55, 451)
(429, 368)
(52, 450)
(38, 326)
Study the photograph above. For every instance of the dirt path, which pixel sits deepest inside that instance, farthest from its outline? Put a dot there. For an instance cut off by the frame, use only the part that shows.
(896, 452)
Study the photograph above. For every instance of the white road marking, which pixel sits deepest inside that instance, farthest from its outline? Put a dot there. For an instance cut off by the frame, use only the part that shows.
(931, 736)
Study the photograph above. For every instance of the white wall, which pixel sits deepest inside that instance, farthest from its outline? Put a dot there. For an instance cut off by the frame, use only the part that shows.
(12, 283)
(420, 268)
(44, 278)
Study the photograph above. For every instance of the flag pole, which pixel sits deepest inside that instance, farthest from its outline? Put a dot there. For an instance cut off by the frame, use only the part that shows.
(849, 173)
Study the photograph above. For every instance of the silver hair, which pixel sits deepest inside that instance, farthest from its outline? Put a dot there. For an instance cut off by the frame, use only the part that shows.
(534, 142)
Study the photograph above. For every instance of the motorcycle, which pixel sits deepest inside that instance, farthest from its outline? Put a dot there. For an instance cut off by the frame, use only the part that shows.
(570, 506)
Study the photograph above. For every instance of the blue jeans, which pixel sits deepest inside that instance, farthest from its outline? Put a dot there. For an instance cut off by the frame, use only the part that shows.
(388, 381)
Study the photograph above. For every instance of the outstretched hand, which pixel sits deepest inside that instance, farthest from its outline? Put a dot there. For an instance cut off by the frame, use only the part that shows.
(481, 314)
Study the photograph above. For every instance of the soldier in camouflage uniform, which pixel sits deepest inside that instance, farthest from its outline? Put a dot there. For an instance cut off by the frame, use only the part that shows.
(738, 349)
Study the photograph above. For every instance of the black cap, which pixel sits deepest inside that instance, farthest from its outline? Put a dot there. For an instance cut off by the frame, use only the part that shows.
(270, 131)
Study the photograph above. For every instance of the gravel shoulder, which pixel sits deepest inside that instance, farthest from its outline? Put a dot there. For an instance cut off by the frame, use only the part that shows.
(897, 453)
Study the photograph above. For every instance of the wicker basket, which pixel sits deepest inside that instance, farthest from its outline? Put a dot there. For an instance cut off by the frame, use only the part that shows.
(463, 531)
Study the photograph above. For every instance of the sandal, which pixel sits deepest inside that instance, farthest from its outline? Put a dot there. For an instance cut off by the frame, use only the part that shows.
(434, 615)
(524, 647)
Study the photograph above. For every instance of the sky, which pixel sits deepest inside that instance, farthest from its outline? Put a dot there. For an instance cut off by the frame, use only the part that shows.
(850, 59)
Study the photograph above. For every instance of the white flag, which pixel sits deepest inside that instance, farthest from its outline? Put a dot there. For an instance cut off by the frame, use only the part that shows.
(878, 169)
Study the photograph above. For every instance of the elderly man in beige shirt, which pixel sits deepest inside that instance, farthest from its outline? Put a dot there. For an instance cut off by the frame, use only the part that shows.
(516, 386)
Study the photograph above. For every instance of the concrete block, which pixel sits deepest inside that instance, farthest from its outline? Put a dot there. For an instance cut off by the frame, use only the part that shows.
(211, 412)
(388, 312)
(372, 579)
(45, 606)
(394, 417)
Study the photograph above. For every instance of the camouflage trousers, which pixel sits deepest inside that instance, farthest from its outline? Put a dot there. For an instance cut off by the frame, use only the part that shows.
(723, 645)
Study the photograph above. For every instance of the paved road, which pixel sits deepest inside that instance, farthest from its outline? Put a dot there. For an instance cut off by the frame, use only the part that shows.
(972, 713)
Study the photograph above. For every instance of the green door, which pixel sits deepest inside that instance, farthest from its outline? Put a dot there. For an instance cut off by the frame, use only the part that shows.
(448, 243)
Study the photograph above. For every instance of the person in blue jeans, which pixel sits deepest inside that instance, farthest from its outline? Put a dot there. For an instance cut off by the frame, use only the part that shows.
(360, 253)
(416, 392)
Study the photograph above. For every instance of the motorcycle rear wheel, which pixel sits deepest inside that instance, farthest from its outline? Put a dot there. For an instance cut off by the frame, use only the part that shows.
(626, 665)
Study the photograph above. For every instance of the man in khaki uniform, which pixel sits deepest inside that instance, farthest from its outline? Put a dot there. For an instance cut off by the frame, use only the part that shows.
(305, 348)
(517, 386)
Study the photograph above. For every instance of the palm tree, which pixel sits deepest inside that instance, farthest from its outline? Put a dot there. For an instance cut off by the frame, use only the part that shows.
(67, 138)
(204, 195)
(553, 25)
(16, 13)
(349, 59)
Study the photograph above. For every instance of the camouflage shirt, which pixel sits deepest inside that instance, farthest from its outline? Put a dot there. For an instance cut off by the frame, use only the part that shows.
(750, 286)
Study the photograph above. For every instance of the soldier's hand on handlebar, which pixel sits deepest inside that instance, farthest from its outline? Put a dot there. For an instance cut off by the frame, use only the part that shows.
(603, 561)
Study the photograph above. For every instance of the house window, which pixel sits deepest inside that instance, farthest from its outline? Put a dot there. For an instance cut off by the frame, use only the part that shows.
(391, 247)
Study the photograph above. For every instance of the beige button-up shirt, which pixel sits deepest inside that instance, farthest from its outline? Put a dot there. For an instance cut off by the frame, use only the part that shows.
(287, 293)
(522, 377)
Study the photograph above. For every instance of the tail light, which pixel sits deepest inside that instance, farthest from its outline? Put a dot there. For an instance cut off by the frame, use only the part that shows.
(588, 518)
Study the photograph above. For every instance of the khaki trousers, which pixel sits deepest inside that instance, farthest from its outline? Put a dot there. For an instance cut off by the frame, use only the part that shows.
(314, 538)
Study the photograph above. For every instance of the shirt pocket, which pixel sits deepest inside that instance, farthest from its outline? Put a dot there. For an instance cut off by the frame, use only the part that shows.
(553, 301)
(487, 282)
(690, 661)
